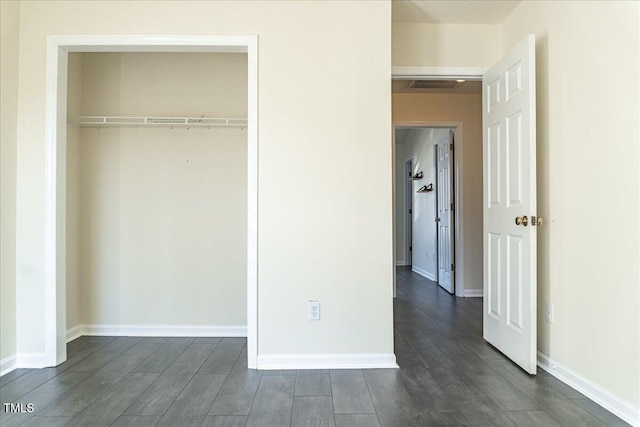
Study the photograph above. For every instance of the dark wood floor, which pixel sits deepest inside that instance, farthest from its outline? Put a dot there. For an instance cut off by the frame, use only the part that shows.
(447, 376)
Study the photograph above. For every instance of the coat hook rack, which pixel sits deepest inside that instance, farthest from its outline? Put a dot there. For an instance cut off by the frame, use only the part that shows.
(425, 188)
(416, 176)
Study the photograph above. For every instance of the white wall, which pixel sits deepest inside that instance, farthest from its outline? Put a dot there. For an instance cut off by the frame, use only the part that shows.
(588, 126)
(445, 45)
(322, 235)
(159, 214)
(399, 214)
(464, 109)
(9, 25)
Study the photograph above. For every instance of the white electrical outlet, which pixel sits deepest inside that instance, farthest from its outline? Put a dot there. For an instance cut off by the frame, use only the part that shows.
(314, 310)
(550, 312)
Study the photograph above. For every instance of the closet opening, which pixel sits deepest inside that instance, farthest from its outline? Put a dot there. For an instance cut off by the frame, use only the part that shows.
(151, 189)
(156, 194)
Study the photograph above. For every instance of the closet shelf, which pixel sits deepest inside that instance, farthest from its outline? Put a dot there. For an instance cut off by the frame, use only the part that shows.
(185, 122)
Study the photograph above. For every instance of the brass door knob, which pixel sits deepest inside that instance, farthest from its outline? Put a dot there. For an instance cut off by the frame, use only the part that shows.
(522, 220)
(538, 220)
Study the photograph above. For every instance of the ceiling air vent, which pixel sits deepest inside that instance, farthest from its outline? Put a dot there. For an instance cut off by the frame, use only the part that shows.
(434, 84)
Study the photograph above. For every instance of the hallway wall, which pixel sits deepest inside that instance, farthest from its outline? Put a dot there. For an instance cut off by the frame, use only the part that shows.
(399, 215)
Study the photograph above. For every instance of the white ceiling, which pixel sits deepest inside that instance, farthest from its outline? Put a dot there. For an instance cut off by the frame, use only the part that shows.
(452, 11)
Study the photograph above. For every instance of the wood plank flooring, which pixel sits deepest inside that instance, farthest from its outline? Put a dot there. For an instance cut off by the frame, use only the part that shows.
(448, 376)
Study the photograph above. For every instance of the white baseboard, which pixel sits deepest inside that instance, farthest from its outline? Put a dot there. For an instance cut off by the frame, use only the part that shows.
(612, 403)
(472, 293)
(8, 364)
(22, 360)
(423, 273)
(156, 331)
(327, 361)
(31, 360)
(75, 332)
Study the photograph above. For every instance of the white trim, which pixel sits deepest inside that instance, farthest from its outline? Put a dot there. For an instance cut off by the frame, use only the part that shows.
(8, 364)
(55, 169)
(393, 210)
(156, 331)
(252, 202)
(423, 273)
(327, 361)
(31, 360)
(152, 43)
(473, 293)
(411, 72)
(612, 403)
(75, 332)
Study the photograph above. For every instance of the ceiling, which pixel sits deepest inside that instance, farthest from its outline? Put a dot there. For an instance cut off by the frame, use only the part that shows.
(452, 11)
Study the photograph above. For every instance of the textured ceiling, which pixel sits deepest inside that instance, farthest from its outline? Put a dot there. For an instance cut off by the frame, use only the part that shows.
(452, 11)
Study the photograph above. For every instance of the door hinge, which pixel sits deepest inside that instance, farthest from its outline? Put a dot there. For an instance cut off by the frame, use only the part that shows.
(410, 248)
(451, 146)
(453, 267)
(409, 211)
(452, 206)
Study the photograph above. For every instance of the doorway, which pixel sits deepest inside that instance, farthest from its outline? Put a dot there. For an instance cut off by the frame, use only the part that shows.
(506, 172)
(458, 108)
(58, 48)
(156, 206)
(425, 228)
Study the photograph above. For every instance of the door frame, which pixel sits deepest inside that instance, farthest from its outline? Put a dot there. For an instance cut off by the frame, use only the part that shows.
(457, 127)
(423, 72)
(408, 217)
(58, 48)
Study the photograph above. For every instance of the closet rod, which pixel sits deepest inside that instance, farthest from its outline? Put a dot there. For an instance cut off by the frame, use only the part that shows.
(122, 121)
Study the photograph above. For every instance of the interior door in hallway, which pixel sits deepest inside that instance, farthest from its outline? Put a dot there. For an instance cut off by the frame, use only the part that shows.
(444, 219)
(509, 199)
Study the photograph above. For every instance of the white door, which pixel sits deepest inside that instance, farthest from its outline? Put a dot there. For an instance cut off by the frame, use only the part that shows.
(509, 197)
(444, 218)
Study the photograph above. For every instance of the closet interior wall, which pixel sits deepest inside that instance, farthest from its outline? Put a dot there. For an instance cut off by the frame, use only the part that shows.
(156, 217)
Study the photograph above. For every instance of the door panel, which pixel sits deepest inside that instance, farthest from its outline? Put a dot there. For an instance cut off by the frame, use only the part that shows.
(444, 220)
(509, 191)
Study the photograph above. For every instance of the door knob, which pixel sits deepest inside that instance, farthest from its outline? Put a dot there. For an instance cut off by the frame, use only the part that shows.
(538, 220)
(522, 220)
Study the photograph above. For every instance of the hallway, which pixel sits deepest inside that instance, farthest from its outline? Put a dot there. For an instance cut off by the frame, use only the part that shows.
(447, 376)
